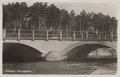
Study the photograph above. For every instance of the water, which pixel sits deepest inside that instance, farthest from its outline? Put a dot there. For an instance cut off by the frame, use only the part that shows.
(58, 67)
(21, 59)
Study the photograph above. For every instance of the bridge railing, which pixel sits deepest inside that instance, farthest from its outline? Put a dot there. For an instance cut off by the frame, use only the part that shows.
(19, 34)
(39, 34)
(10, 34)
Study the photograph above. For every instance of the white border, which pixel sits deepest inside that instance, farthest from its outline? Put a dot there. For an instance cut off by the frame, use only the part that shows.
(117, 2)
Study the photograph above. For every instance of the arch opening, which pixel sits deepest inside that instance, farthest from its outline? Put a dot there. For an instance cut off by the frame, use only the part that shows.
(16, 52)
(81, 52)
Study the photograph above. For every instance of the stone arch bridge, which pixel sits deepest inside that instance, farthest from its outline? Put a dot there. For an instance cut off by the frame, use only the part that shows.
(63, 47)
(60, 46)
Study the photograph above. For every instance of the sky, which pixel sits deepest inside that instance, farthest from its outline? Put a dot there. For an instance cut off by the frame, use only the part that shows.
(89, 7)
(105, 8)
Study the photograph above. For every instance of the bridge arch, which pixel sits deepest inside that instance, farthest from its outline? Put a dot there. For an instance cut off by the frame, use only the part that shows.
(17, 52)
(82, 50)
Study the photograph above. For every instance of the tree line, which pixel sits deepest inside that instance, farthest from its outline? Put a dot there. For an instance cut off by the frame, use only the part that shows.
(42, 16)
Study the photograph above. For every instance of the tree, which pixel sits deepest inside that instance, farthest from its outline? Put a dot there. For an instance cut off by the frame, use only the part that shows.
(53, 17)
(41, 16)
(36, 13)
(72, 20)
(13, 14)
(83, 19)
(64, 19)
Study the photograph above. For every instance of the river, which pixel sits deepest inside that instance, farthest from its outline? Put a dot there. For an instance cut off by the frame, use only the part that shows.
(61, 67)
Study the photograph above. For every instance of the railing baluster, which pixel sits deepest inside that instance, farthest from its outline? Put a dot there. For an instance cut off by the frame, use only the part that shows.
(66, 34)
(82, 34)
(99, 36)
(73, 35)
(19, 30)
(4, 34)
(33, 35)
(105, 35)
(86, 35)
(111, 36)
(47, 35)
(60, 35)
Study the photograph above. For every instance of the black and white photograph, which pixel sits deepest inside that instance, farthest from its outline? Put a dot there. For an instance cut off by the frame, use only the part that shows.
(59, 38)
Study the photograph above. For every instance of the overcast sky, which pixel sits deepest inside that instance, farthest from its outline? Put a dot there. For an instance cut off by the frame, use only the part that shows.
(105, 8)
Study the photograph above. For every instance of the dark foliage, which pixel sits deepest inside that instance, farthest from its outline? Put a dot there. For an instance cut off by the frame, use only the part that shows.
(41, 16)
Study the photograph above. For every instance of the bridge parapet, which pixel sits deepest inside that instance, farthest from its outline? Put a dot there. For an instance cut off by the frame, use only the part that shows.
(18, 34)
